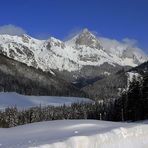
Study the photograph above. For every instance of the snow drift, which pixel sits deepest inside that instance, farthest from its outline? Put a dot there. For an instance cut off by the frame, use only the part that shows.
(76, 134)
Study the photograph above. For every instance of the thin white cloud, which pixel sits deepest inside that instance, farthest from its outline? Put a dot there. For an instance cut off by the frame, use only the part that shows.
(110, 45)
(130, 42)
(11, 30)
(43, 36)
(72, 33)
(113, 45)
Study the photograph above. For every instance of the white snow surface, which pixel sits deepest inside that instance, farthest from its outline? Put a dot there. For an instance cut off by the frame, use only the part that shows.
(12, 99)
(131, 75)
(76, 134)
(83, 49)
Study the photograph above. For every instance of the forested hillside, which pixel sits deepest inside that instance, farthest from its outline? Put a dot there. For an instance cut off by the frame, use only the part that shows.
(18, 77)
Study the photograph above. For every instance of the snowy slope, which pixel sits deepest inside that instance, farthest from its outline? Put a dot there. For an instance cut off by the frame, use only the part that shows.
(76, 134)
(83, 49)
(125, 53)
(22, 101)
(132, 75)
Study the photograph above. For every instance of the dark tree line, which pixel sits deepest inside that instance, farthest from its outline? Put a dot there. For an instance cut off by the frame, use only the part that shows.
(12, 116)
(133, 104)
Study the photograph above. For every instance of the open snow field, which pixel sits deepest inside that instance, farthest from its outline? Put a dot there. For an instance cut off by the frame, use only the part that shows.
(76, 134)
(21, 101)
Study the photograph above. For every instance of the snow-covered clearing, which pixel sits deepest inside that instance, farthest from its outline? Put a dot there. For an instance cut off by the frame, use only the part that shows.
(23, 102)
(76, 134)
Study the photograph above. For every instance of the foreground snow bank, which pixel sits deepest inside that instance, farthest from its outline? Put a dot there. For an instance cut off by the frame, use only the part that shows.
(76, 134)
(22, 101)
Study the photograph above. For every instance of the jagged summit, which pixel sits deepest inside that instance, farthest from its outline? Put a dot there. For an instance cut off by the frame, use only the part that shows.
(26, 35)
(53, 42)
(88, 39)
(82, 50)
(87, 32)
(85, 38)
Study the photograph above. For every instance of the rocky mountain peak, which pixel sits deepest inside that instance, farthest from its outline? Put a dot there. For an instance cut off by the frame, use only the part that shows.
(88, 39)
(85, 49)
(54, 42)
(25, 38)
(86, 31)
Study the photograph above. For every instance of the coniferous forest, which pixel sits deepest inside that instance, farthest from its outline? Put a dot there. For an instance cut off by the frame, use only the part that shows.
(12, 116)
(133, 103)
(131, 106)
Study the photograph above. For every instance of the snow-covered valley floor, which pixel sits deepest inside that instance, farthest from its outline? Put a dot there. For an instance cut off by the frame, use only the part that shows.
(76, 134)
(11, 99)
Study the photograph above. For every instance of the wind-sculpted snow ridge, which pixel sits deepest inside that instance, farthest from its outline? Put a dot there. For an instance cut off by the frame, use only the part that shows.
(85, 49)
(76, 134)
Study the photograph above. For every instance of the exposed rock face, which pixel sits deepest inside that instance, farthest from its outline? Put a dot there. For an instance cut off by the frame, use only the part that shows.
(88, 39)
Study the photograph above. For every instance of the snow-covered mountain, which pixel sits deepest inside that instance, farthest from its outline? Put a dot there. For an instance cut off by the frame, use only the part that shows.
(84, 49)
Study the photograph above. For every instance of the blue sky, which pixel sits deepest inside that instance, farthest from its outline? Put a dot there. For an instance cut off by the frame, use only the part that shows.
(116, 19)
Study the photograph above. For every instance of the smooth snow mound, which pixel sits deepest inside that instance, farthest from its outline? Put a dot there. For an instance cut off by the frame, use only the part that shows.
(76, 134)
(11, 99)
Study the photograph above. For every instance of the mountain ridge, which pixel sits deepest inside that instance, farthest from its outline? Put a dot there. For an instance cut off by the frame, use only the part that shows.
(84, 49)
